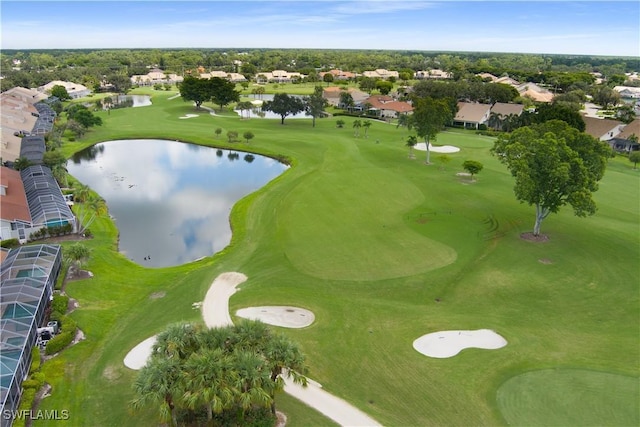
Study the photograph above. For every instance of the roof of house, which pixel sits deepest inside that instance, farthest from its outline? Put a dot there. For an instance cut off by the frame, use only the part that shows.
(69, 86)
(46, 202)
(385, 102)
(339, 74)
(632, 128)
(29, 95)
(600, 127)
(471, 112)
(505, 109)
(13, 200)
(534, 92)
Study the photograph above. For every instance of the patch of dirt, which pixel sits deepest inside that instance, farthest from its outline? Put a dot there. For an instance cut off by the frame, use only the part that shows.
(282, 419)
(45, 391)
(111, 373)
(72, 305)
(74, 274)
(157, 295)
(422, 220)
(533, 238)
(545, 261)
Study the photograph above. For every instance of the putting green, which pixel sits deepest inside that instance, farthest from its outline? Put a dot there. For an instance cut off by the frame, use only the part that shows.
(348, 225)
(565, 397)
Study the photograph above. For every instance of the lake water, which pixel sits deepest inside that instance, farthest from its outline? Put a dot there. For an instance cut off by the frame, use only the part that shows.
(171, 201)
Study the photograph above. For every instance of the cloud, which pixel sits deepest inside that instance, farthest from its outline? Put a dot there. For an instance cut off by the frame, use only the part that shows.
(380, 7)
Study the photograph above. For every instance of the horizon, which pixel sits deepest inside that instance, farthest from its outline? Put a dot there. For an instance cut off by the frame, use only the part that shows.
(501, 27)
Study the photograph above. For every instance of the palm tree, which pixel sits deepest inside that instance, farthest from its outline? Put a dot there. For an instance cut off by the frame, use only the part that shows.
(93, 208)
(366, 125)
(412, 140)
(494, 120)
(76, 253)
(253, 383)
(60, 174)
(357, 124)
(81, 193)
(159, 382)
(283, 357)
(244, 106)
(178, 341)
(208, 381)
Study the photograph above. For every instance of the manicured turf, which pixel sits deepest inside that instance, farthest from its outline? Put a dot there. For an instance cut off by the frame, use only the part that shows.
(383, 250)
(571, 397)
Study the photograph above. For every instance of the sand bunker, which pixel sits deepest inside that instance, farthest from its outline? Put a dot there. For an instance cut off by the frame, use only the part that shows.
(188, 116)
(421, 146)
(138, 356)
(449, 343)
(285, 316)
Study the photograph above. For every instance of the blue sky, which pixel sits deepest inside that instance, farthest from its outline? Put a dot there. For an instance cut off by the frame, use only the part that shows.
(583, 27)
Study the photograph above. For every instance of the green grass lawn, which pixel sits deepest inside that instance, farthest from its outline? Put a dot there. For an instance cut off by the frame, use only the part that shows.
(383, 250)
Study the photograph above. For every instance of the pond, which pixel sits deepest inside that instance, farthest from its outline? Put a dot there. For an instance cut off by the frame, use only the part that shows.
(171, 201)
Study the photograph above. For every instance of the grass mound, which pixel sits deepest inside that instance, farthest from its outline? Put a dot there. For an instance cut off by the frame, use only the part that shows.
(570, 397)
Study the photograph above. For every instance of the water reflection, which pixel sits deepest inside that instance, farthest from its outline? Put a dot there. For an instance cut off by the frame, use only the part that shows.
(171, 201)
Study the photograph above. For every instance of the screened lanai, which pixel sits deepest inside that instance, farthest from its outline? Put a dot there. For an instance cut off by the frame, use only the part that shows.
(27, 278)
(47, 205)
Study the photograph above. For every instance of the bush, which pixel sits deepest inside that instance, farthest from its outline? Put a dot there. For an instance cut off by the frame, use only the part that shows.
(35, 360)
(9, 243)
(35, 381)
(26, 403)
(60, 303)
(60, 341)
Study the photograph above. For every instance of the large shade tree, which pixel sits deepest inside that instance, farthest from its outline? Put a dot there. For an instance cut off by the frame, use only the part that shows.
(223, 92)
(553, 165)
(195, 90)
(429, 118)
(316, 103)
(284, 105)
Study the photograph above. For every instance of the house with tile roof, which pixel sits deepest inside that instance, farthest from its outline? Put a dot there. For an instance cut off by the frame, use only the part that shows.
(381, 73)
(155, 76)
(385, 106)
(472, 114)
(232, 77)
(14, 209)
(630, 129)
(75, 90)
(332, 95)
(18, 116)
(627, 140)
(338, 74)
(534, 92)
(602, 129)
(278, 76)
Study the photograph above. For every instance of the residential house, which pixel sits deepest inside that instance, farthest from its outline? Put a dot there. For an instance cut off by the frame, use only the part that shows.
(278, 76)
(435, 73)
(627, 140)
(18, 116)
(332, 95)
(155, 76)
(14, 209)
(534, 92)
(385, 107)
(381, 73)
(602, 129)
(233, 77)
(27, 278)
(501, 112)
(472, 114)
(75, 90)
(338, 74)
(628, 91)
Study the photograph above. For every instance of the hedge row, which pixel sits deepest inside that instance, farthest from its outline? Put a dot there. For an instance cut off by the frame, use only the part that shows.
(68, 327)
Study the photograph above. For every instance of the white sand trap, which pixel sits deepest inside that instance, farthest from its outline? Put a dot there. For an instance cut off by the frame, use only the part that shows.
(215, 307)
(421, 146)
(449, 343)
(285, 316)
(188, 116)
(138, 356)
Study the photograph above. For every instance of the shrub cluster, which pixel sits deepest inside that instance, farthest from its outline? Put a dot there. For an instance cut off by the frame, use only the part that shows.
(9, 243)
(68, 328)
(43, 233)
